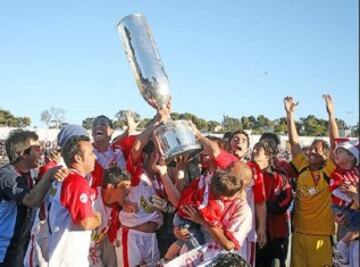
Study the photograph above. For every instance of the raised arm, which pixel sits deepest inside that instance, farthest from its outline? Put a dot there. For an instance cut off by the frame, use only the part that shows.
(290, 105)
(162, 116)
(171, 191)
(131, 126)
(209, 145)
(333, 128)
(141, 141)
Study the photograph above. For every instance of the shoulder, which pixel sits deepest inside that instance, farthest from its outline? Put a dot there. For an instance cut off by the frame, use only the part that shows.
(8, 173)
(75, 179)
(7, 170)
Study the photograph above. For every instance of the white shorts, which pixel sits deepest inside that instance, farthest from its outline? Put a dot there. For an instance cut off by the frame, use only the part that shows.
(37, 251)
(137, 248)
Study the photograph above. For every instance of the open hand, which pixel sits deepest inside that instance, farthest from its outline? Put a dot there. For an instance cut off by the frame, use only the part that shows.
(329, 104)
(60, 173)
(349, 189)
(130, 122)
(193, 214)
(290, 104)
(55, 155)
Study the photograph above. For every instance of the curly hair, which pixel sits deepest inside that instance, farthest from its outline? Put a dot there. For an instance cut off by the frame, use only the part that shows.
(17, 143)
(268, 146)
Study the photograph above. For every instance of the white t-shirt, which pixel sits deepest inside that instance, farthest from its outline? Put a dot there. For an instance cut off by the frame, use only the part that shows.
(140, 193)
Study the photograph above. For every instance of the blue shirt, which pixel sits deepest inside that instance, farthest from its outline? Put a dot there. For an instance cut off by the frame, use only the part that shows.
(15, 218)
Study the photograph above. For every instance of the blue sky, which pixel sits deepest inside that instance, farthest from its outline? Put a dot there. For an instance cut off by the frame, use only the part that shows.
(222, 57)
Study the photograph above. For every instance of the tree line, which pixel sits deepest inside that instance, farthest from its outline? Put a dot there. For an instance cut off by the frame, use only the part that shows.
(307, 126)
(9, 120)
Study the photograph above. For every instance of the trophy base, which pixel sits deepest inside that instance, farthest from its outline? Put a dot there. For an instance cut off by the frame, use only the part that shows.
(191, 150)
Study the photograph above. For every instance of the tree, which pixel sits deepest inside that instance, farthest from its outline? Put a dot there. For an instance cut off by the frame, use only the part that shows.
(249, 123)
(231, 124)
(212, 125)
(53, 118)
(23, 121)
(264, 123)
(200, 123)
(245, 122)
(341, 124)
(175, 116)
(120, 121)
(355, 130)
(313, 126)
(45, 117)
(144, 123)
(280, 126)
(88, 122)
(9, 120)
(58, 116)
(186, 116)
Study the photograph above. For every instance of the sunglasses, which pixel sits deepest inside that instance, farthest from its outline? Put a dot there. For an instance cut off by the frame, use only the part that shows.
(35, 147)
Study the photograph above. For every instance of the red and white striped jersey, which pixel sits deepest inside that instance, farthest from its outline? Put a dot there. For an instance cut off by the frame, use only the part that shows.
(255, 192)
(339, 177)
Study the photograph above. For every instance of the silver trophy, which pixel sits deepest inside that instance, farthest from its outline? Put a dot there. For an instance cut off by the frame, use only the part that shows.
(144, 59)
(174, 138)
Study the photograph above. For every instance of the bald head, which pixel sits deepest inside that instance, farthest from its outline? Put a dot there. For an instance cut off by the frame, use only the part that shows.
(241, 170)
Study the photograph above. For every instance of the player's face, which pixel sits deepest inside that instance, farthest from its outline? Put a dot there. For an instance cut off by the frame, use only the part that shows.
(87, 156)
(116, 195)
(342, 156)
(315, 154)
(101, 130)
(258, 154)
(33, 154)
(239, 145)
